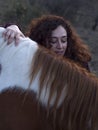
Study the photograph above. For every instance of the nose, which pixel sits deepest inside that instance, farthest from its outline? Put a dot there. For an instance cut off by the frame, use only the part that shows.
(59, 44)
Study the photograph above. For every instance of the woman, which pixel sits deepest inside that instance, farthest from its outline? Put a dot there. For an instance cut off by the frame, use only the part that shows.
(55, 33)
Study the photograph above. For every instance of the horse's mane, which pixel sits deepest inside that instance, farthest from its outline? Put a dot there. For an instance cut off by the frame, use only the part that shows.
(74, 89)
(80, 89)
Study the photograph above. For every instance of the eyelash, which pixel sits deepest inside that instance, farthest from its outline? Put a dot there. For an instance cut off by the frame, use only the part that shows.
(63, 41)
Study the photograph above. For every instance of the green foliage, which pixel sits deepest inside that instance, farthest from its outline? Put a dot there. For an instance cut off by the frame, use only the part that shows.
(22, 12)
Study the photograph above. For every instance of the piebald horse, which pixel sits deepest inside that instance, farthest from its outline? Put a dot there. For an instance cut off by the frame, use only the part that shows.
(42, 91)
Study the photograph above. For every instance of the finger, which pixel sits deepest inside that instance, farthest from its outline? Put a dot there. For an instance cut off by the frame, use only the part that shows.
(4, 34)
(13, 35)
(10, 41)
(10, 37)
(7, 34)
(17, 38)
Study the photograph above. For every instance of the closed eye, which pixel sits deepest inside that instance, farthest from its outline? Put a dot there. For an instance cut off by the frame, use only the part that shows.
(64, 39)
(53, 40)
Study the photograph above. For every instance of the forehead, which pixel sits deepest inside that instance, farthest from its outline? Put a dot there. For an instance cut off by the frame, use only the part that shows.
(59, 31)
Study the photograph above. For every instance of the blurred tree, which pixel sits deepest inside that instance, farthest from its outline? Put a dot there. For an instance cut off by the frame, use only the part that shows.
(95, 23)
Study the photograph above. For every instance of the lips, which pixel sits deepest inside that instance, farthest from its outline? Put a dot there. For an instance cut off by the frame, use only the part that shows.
(59, 52)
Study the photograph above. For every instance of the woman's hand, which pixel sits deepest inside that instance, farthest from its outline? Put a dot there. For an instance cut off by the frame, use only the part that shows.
(12, 33)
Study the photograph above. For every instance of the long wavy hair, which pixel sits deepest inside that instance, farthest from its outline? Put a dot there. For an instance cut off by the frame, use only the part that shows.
(79, 88)
(40, 30)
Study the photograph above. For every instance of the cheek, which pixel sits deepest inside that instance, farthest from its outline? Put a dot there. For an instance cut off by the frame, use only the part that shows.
(53, 46)
(65, 46)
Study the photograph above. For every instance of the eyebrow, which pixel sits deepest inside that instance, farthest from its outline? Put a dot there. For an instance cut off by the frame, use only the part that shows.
(64, 36)
(56, 37)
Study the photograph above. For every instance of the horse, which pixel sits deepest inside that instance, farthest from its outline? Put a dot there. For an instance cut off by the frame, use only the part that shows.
(40, 90)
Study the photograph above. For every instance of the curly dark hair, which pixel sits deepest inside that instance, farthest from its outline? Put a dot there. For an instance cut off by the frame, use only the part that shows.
(40, 31)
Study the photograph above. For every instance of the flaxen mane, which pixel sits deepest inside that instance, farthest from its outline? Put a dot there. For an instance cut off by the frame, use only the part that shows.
(80, 89)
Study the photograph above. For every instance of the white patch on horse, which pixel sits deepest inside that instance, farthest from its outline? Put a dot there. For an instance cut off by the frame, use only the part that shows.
(0, 68)
(16, 63)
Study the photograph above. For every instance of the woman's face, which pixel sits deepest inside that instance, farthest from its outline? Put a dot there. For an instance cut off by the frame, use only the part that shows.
(58, 40)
